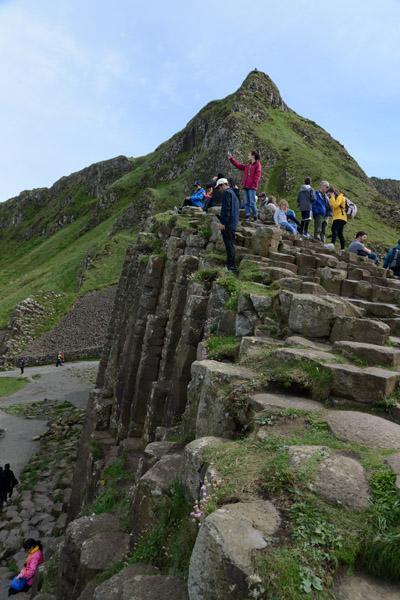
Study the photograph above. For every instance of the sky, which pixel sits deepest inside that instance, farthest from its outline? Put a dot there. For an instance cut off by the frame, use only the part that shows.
(84, 81)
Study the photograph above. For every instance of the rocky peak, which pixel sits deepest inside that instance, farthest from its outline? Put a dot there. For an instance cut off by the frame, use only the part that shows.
(259, 85)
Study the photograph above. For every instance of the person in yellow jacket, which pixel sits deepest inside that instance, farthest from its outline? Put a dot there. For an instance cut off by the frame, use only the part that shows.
(339, 218)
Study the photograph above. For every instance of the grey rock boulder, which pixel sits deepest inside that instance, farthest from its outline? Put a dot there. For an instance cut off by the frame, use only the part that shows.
(341, 480)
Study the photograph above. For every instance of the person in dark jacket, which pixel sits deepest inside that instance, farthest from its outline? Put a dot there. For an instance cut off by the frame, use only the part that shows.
(392, 260)
(3, 489)
(216, 197)
(322, 210)
(305, 199)
(22, 365)
(12, 481)
(229, 220)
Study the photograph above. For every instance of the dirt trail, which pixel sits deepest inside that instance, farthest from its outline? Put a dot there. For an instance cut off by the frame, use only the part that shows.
(71, 382)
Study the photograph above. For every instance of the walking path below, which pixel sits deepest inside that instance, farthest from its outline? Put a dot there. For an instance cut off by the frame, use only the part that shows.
(71, 382)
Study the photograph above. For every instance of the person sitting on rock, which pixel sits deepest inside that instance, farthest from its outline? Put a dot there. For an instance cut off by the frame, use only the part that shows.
(357, 247)
(33, 560)
(196, 199)
(305, 199)
(291, 217)
(392, 260)
(280, 217)
(263, 200)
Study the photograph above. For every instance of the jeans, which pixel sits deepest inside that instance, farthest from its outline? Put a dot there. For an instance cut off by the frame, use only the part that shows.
(337, 232)
(289, 227)
(228, 235)
(249, 199)
(320, 226)
(371, 255)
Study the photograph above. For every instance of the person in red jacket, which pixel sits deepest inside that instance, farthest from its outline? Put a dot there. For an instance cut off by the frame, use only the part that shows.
(251, 178)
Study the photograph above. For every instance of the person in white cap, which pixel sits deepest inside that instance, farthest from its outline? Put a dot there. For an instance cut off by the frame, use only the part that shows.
(229, 220)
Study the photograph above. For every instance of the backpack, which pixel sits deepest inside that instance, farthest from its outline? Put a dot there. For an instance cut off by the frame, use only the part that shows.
(395, 260)
(350, 209)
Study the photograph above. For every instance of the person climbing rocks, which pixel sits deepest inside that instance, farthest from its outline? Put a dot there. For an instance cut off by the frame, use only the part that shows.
(22, 365)
(322, 210)
(229, 220)
(357, 247)
(251, 178)
(339, 218)
(392, 260)
(27, 573)
(11, 480)
(305, 200)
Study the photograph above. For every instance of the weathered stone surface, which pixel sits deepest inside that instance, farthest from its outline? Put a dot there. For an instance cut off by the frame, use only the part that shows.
(298, 340)
(288, 354)
(152, 453)
(359, 330)
(142, 514)
(113, 588)
(342, 480)
(361, 586)
(206, 413)
(262, 304)
(367, 430)
(394, 463)
(377, 309)
(370, 353)
(221, 559)
(193, 468)
(251, 344)
(246, 317)
(98, 553)
(312, 315)
(367, 385)
(266, 401)
(331, 279)
(299, 455)
(154, 587)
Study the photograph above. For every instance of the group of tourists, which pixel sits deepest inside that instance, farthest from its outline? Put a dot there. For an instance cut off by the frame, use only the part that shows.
(319, 205)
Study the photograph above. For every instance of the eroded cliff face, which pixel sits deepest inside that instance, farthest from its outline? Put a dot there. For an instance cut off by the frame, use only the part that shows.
(295, 303)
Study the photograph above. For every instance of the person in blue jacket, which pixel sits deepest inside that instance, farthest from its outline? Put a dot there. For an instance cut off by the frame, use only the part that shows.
(392, 260)
(322, 210)
(229, 220)
(197, 198)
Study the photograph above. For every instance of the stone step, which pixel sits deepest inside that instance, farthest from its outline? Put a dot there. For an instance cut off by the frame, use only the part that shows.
(282, 257)
(253, 344)
(377, 309)
(278, 401)
(298, 340)
(363, 428)
(365, 385)
(284, 265)
(350, 329)
(370, 353)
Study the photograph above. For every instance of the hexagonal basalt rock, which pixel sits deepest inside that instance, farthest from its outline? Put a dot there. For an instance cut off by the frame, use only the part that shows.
(342, 480)
(220, 565)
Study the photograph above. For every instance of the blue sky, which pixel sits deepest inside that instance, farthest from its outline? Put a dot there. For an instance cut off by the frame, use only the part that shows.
(83, 81)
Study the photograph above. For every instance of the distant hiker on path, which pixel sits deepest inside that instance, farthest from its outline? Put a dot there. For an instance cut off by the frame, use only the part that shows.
(11, 480)
(229, 220)
(392, 260)
(58, 361)
(322, 210)
(27, 573)
(251, 178)
(339, 219)
(22, 365)
(62, 358)
(357, 247)
(3, 489)
(305, 200)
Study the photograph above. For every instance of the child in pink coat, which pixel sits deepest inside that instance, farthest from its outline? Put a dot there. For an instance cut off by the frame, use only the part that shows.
(33, 560)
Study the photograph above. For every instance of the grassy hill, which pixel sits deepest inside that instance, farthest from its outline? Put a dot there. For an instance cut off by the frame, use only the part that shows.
(71, 238)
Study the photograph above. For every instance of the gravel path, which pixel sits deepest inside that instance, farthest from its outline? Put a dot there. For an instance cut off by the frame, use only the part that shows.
(71, 382)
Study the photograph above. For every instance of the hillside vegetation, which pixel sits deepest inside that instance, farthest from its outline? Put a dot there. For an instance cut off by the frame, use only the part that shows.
(72, 238)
